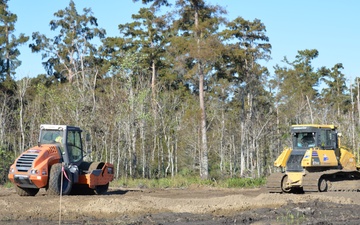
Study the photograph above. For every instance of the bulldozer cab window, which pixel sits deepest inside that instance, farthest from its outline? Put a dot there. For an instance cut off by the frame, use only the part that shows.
(304, 140)
(74, 146)
(326, 139)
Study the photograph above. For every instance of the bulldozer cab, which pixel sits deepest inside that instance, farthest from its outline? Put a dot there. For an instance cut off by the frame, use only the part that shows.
(66, 138)
(308, 136)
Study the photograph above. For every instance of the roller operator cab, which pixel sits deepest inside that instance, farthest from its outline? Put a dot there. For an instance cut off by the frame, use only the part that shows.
(57, 164)
(315, 162)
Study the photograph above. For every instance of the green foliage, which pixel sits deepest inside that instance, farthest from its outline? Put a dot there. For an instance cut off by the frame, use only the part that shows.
(336, 93)
(5, 163)
(70, 51)
(8, 184)
(185, 182)
(186, 172)
(291, 217)
(243, 182)
(156, 3)
(297, 84)
(9, 52)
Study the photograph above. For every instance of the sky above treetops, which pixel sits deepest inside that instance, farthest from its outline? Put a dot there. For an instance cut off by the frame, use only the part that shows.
(332, 27)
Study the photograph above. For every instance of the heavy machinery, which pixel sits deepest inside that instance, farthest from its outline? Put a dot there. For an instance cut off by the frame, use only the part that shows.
(317, 162)
(57, 164)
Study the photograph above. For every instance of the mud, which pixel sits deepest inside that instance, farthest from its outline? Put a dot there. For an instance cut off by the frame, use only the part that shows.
(195, 205)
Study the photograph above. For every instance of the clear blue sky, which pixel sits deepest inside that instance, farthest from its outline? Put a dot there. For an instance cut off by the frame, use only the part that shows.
(330, 26)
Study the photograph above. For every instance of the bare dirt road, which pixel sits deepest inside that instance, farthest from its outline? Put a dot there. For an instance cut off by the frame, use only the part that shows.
(195, 205)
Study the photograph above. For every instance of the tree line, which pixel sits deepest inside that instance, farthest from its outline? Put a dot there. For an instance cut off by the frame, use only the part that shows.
(177, 93)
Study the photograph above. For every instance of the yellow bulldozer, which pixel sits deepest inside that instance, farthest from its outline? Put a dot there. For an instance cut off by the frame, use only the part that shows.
(317, 162)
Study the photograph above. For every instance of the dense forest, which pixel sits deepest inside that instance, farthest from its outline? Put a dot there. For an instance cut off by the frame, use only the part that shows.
(183, 92)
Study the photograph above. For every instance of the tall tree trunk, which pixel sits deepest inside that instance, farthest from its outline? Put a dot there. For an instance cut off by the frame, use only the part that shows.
(24, 83)
(118, 160)
(311, 113)
(175, 155)
(172, 160)
(143, 148)
(204, 157)
(133, 152)
(168, 146)
(132, 133)
(222, 130)
(154, 111)
(242, 144)
(3, 116)
(153, 84)
(235, 160)
(204, 161)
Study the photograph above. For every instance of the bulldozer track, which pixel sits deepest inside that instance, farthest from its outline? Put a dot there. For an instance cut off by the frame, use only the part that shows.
(310, 182)
(343, 181)
(332, 181)
(273, 184)
(345, 186)
(326, 181)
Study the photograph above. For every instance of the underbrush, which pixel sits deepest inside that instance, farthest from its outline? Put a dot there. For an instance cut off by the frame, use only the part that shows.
(181, 182)
(8, 185)
(185, 182)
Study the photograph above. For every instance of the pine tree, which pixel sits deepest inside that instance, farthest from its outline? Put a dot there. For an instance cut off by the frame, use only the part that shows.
(198, 48)
(247, 44)
(9, 51)
(297, 87)
(335, 94)
(70, 53)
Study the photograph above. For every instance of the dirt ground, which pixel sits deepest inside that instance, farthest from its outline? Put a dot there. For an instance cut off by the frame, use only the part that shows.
(181, 206)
